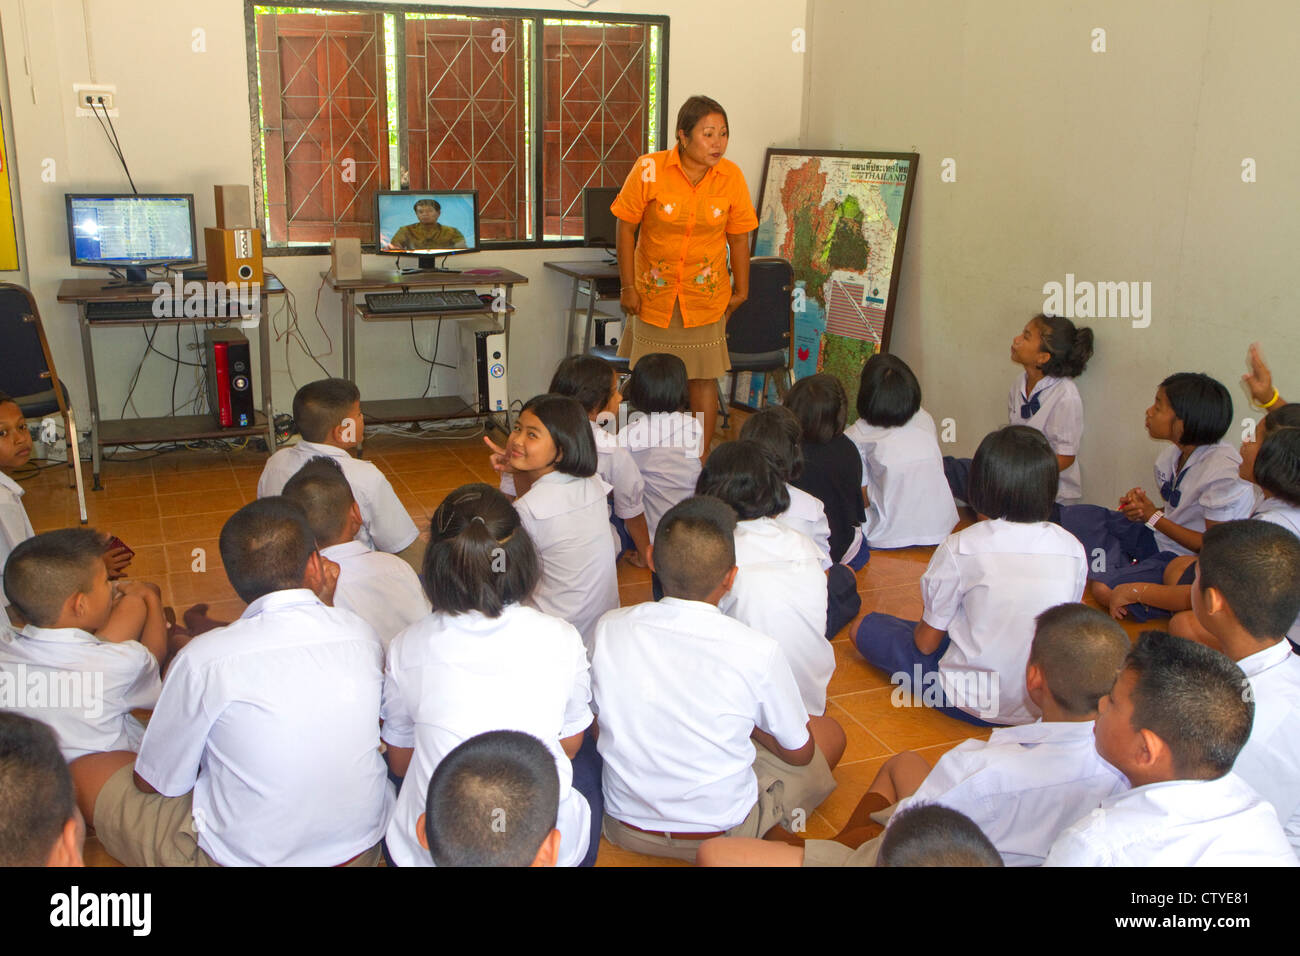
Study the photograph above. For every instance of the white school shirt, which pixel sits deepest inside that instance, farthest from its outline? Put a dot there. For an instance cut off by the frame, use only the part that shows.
(807, 515)
(780, 591)
(568, 520)
(1024, 786)
(984, 586)
(380, 588)
(15, 528)
(1270, 761)
(617, 469)
(1211, 489)
(84, 688)
(1219, 822)
(273, 722)
(680, 688)
(902, 470)
(1278, 512)
(1060, 419)
(386, 525)
(666, 448)
(451, 677)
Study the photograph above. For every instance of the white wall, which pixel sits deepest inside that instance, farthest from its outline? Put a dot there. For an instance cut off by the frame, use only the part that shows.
(184, 126)
(1123, 165)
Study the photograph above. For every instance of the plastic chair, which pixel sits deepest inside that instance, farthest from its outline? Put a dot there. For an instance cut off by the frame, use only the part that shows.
(761, 330)
(28, 375)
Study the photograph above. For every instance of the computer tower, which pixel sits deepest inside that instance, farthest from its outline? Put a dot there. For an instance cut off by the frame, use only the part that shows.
(482, 367)
(230, 377)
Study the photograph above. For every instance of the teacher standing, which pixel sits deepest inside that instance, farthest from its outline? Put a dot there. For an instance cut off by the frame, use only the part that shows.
(692, 206)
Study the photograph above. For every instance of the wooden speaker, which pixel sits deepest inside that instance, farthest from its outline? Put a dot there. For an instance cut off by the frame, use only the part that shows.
(234, 255)
(234, 210)
(345, 259)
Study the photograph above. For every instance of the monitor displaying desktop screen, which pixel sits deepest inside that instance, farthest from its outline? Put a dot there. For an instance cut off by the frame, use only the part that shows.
(427, 223)
(131, 231)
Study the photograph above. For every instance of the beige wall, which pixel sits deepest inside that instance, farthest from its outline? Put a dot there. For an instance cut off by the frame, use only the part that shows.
(184, 126)
(1123, 165)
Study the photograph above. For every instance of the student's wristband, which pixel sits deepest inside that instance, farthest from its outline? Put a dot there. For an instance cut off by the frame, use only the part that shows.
(1272, 401)
(1155, 519)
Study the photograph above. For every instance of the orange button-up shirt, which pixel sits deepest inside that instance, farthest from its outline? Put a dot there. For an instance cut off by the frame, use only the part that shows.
(681, 253)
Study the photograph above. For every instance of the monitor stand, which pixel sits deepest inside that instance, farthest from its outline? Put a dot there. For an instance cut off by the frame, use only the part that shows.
(135, 276)
(429, 264)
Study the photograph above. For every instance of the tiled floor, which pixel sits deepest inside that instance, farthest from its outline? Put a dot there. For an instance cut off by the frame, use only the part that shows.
(170, 509)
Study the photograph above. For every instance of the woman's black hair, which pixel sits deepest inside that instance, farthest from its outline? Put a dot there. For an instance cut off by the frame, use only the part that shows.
(888, 392)
(820, 404)
(1277, 463)
(1069, 347)
(570, 429)
(480, 558)
(659, 384)
(1014, 475)
(1202, 404)
(695, 109)
(587, 378)
(744, 475)
(778, 431)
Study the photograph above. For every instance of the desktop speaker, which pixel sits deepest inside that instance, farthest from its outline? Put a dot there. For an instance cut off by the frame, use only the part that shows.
(230, 377)
(234, 211)
(234, 255)
(345, 259)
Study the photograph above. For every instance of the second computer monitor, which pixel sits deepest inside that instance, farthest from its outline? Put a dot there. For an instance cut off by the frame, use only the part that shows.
(599, 225)
(427, 223)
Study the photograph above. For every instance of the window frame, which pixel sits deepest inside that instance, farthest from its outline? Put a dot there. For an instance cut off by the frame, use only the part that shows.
(535, 109)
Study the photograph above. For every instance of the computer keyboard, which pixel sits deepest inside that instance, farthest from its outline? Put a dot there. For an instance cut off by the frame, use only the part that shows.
(139, 309)
(451, 300)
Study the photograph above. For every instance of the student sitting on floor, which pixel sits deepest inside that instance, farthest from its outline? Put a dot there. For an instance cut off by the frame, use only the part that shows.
(1197, 476)
(775, 429)
(263, 749)
(96, 654)
(903, 486)
(931, 835)
(1174, 723)
(16, 451)
(702, 727)
(1246, 596)
(1021, 788)
(832, 470)
(39, 822)
(983, 589)
(594, 383)
(483, 661)
(779, 588)
(664, 439)
(492, 802)
(378, 587)
(562, 503)
(328, 416)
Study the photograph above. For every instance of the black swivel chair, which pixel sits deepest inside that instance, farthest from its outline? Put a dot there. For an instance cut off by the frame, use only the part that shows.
(27, 373)
(760, 332)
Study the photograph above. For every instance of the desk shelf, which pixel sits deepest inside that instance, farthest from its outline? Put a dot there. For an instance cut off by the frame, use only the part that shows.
(174, 428)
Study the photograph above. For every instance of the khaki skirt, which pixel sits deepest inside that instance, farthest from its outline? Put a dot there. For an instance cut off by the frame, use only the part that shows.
(702, 348)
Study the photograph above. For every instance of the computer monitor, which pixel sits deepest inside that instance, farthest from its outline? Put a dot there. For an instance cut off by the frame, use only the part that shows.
(131, 231)
(426, 224)
(599, 225)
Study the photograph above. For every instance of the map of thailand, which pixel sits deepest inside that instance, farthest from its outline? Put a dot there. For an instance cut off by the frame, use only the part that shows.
(837, 220)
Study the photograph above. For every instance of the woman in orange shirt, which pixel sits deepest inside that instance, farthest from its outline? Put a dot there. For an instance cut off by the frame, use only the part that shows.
(692, 207)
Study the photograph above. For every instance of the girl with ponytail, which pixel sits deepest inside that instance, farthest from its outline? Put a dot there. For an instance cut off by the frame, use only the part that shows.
(484, 661)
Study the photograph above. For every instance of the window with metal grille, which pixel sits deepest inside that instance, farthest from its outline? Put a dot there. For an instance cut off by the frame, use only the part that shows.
(526, 108)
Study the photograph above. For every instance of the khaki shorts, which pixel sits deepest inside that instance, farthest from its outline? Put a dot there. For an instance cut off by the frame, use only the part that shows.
(787, 795)
(148, 829)
(830, 853)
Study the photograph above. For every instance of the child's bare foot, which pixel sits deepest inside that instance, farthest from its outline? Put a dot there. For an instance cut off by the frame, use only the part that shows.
(634, 558)
(197, 621)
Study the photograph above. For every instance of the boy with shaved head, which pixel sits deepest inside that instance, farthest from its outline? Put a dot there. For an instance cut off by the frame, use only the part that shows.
(1022, 787)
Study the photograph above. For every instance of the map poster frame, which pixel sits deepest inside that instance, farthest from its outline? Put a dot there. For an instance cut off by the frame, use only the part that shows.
(831, 296)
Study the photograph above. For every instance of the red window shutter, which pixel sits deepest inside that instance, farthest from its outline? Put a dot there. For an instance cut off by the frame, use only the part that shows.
(466, 115)
(325, 123)
(596, 79)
